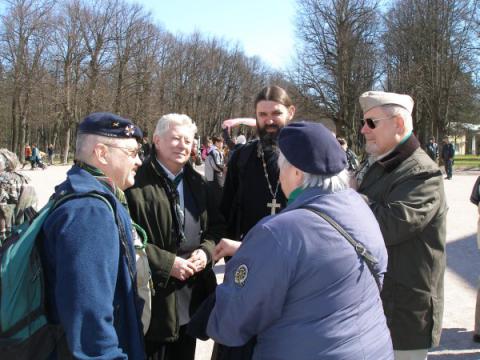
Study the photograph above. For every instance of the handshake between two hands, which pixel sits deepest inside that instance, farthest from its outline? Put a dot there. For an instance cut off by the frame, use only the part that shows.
(184, 268)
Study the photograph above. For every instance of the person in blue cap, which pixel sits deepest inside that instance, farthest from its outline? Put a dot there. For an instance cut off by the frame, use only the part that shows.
(297, 283)
(87, 246)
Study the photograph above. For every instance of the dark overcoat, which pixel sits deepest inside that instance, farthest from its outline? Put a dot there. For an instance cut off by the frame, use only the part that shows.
(150, 208)
(405, 192)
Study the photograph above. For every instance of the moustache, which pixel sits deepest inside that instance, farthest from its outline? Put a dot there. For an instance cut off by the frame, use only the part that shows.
(272, 126)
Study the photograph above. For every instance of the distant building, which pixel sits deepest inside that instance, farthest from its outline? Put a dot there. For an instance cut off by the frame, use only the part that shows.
(465, 137)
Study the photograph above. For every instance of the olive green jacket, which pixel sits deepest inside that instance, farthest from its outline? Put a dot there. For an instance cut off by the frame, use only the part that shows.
(149, 207)
(405, 192)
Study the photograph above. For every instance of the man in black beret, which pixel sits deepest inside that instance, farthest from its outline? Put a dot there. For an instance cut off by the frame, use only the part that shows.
(87, 246)
(404, 189)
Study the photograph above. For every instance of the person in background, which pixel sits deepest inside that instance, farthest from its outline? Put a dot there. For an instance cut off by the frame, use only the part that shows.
(404, 189)
(448, 153)
(146, 147)
(352, 160)
(205, 148)
(28, 155)
(303, 289)
(195, 157)
(227, 127)
(432, 149)
(35, 158)
(475, 199)
(87, 246)
(50, 154)
(214, 168)
(17, 194)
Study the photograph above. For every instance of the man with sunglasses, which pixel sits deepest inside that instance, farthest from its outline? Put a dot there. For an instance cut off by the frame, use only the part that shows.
(404, 189)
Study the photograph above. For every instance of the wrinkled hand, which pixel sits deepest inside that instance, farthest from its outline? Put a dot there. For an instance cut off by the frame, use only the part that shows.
(182, 269)
(231, 123)
(199, 259)
(225, 247)
(352, 181)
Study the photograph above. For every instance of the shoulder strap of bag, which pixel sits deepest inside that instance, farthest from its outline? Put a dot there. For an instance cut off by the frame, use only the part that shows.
(360, 249)
(121, 228)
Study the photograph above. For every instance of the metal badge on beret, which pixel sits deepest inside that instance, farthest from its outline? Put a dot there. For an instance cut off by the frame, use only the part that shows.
(241, 275)
(130, 130)
(115, 124)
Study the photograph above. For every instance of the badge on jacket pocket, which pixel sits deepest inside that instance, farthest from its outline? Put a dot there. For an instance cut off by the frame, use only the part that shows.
(241, 275)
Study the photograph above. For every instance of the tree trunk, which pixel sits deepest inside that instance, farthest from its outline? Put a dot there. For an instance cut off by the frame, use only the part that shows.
(66, 147)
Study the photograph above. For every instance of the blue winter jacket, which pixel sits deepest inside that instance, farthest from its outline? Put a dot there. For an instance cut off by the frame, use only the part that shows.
(89, 287)
(300, 287)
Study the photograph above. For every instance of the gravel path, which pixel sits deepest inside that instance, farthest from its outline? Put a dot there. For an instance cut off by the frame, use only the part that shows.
(463, 259)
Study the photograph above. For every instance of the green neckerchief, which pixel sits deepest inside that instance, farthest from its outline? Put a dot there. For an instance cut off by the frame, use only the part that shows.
(119, 194)
(294, 194)
(104, 180)
(406, 137)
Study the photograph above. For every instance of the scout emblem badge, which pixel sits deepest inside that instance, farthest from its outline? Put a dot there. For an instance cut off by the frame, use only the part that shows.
(241, 275)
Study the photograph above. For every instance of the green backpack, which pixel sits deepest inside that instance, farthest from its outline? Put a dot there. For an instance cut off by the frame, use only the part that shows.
(24, 329)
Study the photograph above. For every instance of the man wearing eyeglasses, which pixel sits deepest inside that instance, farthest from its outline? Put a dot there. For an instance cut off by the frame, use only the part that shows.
(174, 204)
(404, 189)
(87, 246)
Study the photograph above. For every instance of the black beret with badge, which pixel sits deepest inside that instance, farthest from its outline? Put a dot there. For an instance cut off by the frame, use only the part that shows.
(312, 148)
(109, 125)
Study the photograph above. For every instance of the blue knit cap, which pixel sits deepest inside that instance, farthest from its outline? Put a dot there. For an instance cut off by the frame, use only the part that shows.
(312, 148)
(110, 125)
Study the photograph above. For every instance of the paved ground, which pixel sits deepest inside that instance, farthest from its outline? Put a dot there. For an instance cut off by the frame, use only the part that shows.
(463, 260)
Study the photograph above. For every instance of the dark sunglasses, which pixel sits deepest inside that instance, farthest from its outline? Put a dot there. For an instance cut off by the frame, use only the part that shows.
(371, 123)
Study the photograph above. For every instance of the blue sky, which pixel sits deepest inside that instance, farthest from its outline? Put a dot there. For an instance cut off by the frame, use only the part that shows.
(262, 27)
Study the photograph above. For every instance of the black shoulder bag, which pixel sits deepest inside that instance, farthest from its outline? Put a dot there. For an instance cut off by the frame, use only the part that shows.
(361, 250)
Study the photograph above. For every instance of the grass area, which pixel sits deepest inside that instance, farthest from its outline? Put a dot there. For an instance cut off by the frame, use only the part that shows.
(467, 161)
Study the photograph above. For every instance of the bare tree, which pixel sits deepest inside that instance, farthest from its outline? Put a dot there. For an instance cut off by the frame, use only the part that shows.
(24, 38)
(95, 26)
(428, 54)
(63, 59)
(337, 58)
(68, 52)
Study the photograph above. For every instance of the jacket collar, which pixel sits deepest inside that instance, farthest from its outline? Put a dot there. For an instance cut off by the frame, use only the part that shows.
(81, 181)
(305, 197)
(190, 176)
(399, 154)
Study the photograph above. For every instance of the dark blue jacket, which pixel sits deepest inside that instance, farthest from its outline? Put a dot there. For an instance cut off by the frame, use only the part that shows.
(89, 287)
(300, 287)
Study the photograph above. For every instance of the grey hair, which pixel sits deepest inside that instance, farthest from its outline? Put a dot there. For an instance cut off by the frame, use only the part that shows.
(169, 120)
(86, 143)
(395, 110)
(330, 183)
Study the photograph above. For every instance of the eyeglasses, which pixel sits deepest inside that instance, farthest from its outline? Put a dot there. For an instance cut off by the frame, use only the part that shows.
(371, 123)
(132, 152)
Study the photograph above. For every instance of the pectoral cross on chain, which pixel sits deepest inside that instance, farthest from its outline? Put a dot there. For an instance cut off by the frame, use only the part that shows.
(273, 206)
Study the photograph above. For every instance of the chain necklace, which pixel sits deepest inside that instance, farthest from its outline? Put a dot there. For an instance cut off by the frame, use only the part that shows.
(273, 205)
